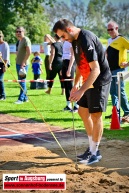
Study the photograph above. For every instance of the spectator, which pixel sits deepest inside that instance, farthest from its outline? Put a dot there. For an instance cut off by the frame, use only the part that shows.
(68, 70)
(92, 96)
(4, 60)
(48, 40)
(55, 64)
(22, 62)
(37, 54)
(36, 67)
(117, 59)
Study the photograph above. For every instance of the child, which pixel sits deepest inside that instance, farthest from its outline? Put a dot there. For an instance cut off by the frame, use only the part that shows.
(36, 65)
(37, 54)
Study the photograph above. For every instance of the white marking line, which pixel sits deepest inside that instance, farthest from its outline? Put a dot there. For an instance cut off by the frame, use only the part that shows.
(7, 129)
(9, 136)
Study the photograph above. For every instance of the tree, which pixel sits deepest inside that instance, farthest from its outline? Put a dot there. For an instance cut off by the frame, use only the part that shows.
(75, 11)
(95, 15)
(119, 14)
(27, 13)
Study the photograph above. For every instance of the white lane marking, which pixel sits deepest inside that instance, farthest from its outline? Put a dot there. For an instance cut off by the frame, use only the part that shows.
(7, 129)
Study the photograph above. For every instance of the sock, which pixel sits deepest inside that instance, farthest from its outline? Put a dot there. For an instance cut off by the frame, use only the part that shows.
(94, 147)
(90, 142)
(76, 105)
(69, 104)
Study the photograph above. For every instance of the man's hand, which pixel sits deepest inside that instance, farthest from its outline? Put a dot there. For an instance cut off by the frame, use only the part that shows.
(124, 64)
(23, 65)
(76, 95)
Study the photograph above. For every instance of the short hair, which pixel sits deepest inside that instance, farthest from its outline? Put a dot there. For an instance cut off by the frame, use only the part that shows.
(38, 53)
(62, 24)
(21, 28)
(113, 23)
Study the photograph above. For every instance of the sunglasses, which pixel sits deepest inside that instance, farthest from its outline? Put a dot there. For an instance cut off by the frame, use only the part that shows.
(0, 36)
(19, 32)
(110, 29)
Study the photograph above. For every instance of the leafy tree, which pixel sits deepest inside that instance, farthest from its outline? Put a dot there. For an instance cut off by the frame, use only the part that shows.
(33, 19)
(95, 15)
(7, 16)
(29, 14)
(120, 14)
(75, 11)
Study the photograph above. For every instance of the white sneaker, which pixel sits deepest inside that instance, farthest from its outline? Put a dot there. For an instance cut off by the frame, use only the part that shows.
(18, 102)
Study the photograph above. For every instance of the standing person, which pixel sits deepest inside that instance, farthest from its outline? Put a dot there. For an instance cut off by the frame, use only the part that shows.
(36, 67)
(37, 54)
(68, 70)
(92, 96)
(22, 61)
(117, 55)
(48, 40)
(5, 54)
(55, 64)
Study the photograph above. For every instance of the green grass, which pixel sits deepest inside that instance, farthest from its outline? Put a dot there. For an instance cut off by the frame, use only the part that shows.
(103, 41)
(50, 106)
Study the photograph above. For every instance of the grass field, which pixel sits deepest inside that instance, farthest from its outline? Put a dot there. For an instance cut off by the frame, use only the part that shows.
(48, 108)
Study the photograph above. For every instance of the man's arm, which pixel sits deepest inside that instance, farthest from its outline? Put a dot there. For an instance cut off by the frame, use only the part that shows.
(77, 77)
(76, 83)
(28, 52)
(95, 71)
(71, 62)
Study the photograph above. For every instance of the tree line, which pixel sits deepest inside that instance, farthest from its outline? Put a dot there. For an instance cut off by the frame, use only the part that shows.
(38, 16)
(93, 17)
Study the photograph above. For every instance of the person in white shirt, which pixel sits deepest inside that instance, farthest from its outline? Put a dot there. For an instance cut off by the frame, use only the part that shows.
(4, 60)
(48, 40)
(68, 70)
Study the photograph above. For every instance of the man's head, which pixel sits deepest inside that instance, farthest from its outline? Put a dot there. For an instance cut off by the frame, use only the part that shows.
(112, 29)
(65, 29)
(20, 31)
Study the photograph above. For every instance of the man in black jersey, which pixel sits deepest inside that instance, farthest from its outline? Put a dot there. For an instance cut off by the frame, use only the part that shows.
(92, 96)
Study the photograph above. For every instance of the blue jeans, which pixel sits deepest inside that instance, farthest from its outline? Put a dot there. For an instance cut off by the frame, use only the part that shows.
(2, 91)
(22, 95)
(114, 93)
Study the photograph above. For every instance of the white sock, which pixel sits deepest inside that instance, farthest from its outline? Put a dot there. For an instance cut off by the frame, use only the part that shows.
(94, 147)
(90, 142)
(76, 105)
(69, 104)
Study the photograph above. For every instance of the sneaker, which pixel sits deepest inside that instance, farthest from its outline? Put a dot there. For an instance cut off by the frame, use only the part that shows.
(67, 109)
(85, 158)
(108, 117)
(92, 159)
(18, 102)
(82, 156)
(85, 155)
(2, 98)
(99, 156)
(74, 110)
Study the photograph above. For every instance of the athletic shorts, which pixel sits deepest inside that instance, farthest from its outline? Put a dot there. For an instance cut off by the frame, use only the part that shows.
(95, 99)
